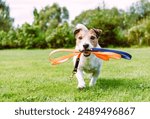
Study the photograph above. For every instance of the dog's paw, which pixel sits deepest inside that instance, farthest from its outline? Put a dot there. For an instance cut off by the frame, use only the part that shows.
(81, 86)
(92, 82)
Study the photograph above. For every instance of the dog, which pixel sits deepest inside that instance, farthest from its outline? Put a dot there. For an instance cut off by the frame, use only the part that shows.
(89, 63)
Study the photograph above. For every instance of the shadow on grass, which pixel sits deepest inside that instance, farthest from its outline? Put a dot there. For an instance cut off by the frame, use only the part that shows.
(119, 83)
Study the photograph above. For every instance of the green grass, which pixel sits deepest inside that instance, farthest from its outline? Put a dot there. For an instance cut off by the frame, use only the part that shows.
(26, 75)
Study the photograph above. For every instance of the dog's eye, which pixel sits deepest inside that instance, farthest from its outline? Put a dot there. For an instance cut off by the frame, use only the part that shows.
(92, 37)
(80, 37)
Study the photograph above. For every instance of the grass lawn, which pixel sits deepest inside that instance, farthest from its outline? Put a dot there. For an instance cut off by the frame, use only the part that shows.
(26, 75)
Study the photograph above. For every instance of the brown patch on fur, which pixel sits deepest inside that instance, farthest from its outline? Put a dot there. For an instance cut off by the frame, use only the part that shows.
(77, 31)
(93, 35)
(79, 36)
(98, 32)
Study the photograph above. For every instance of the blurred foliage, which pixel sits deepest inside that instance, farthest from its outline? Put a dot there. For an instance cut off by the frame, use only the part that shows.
(140, 33)
(111, 21)
(50, 28)
(50, 17)
(62, 36)
(5, 19)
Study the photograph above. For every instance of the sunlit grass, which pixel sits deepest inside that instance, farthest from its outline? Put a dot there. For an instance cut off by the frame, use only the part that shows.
(26, 75)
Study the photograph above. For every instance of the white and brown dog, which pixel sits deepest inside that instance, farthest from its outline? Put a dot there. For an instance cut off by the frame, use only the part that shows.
(89, 63)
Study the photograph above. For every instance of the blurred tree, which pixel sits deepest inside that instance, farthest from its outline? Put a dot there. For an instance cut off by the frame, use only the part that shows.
(2, 38)
(5, 19)
(140, 33)
(50, 17)
(139, 10)
(111, 21)
(49, 22)
(62, 36)
(30, 36)
(51, 28)
(136, 11)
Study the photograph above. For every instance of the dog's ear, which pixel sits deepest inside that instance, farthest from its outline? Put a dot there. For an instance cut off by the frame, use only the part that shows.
(76, 31)
(98, 32)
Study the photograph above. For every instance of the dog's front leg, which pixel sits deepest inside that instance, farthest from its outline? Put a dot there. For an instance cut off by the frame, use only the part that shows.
(79, 75)
(94, 78)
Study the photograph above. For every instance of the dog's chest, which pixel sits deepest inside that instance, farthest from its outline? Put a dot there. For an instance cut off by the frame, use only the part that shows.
(90, 64)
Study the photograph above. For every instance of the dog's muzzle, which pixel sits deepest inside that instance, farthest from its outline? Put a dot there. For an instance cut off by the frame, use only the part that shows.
(86, 51)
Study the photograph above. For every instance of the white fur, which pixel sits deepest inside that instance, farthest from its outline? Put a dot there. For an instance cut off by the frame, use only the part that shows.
(81, 26)
(90, 64)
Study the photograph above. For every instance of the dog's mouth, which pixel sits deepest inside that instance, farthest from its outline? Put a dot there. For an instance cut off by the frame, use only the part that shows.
(87, 53)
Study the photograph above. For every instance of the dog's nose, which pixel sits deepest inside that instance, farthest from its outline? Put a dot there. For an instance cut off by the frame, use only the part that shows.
(86, 46)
